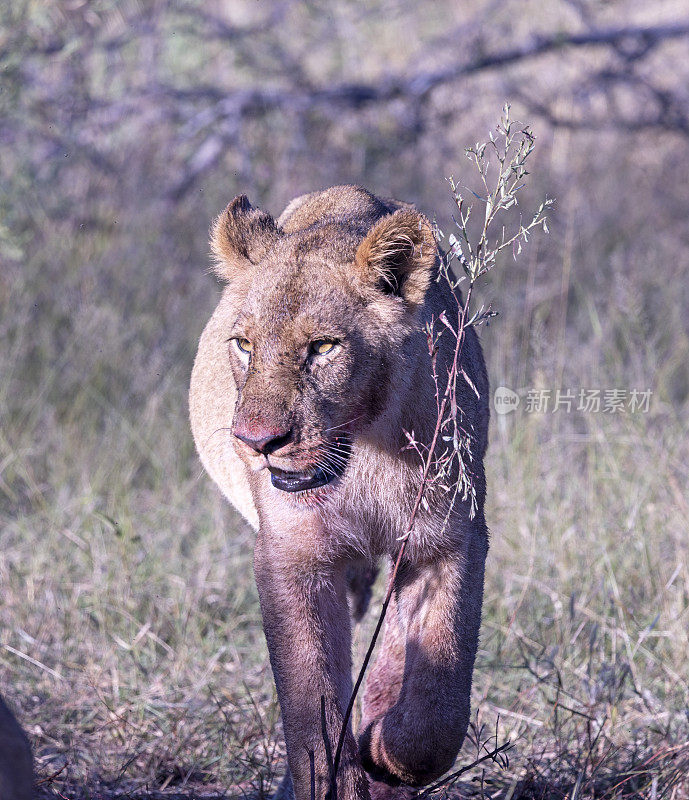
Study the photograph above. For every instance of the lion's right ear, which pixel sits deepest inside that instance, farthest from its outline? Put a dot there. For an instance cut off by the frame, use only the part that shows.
(241, 236)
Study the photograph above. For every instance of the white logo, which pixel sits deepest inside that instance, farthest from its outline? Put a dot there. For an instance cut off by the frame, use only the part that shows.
(505, 400)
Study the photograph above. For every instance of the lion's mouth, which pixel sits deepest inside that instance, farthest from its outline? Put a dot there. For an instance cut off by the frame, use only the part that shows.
(299, 481)
(332, 468)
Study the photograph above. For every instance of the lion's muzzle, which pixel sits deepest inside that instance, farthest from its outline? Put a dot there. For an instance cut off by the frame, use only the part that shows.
(330, 462)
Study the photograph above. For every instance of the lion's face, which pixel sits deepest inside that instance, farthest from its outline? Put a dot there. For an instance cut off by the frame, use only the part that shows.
(314, 323)
(310, 365)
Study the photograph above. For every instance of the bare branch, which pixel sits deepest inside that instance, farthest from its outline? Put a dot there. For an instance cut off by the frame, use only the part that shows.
(358, 95)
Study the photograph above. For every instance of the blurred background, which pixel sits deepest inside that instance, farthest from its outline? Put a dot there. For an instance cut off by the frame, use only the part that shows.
(130, 638)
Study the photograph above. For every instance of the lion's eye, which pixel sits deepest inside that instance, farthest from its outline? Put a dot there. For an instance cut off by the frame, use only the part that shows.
(244, 344)
(322, 346)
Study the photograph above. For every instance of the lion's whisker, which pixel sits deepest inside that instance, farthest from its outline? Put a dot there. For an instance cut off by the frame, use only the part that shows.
(343, 424)
(335, 456)
(217, 430)
(336, 448)
(335, 460)
(327, 468)
(325, 459)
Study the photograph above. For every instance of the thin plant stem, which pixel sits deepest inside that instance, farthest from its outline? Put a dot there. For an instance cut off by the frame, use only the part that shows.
(511, 148)
(405, 538)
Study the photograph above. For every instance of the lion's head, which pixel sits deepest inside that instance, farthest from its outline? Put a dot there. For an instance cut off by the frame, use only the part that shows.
(314, 318)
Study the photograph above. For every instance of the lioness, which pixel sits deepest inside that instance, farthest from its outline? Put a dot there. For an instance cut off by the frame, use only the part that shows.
(313, 365)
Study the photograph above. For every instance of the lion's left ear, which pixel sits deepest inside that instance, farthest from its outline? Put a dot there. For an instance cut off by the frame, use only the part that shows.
(241, 236)
(399, 254)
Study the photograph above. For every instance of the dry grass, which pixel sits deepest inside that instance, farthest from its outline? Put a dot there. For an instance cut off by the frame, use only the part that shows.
(130, 627)
(130, 638)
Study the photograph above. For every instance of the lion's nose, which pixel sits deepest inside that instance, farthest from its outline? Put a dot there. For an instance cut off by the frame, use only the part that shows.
(263, 440)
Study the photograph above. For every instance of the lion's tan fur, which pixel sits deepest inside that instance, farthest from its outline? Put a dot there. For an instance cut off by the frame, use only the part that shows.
(361, 271)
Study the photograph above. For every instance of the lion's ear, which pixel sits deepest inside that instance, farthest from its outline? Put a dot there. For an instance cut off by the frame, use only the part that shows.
(241, 236)
(398, 255)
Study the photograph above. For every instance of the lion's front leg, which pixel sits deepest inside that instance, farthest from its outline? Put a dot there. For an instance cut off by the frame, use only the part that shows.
(306, 622)
(417, 738)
